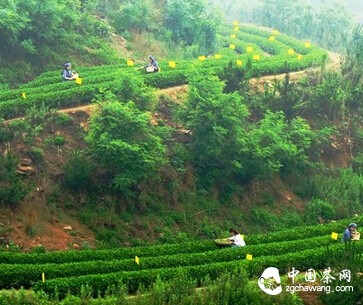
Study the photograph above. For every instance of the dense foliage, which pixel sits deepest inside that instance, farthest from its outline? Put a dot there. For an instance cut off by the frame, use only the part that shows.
(35, 34)
(217, 121)
(238, 136)
(12, 190)
(122, 140)
(226, 139)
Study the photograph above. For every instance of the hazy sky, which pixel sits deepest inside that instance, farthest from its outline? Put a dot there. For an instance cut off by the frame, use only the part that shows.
(354, 7)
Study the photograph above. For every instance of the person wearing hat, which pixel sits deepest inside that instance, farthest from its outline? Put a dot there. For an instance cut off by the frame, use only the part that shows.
(67, 73)
(153, 65)
(349, 231)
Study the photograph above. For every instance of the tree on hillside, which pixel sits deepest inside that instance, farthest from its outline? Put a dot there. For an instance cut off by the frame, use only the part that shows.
(217, 121)
(38, 34)
(192, 23)
(12, 23)
(29, 26)
(12, 190)
(352, 66)
(273, 144)
(235, 78)
(137, 15)
(122, 141)
(133, 88)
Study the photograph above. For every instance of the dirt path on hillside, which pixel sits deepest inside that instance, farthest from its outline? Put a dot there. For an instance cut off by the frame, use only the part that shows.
(333, 63)
(178, 93)
(175, 93)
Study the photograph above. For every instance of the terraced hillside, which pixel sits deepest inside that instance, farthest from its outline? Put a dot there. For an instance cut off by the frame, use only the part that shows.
(258, 51)
(301, 248)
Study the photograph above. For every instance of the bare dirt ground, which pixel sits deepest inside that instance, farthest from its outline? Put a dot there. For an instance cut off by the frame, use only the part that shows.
(39, 220)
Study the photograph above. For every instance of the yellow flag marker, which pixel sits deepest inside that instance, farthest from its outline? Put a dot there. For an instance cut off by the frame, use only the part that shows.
(275, 32)
(130, 63)
(23, 95)
(172, 64)
(217, 56)
(137, 260)
(307, 44)
(334, 235)
(249, 257)
(256, 57)
(239, 62)
(201, 57)
(235, 28)
(232, 46)
(299, 57)
(272, 38)
(43, 277)
(249, 49)
(290, 51)
(234, 36)
(235, 23)
(79, 81)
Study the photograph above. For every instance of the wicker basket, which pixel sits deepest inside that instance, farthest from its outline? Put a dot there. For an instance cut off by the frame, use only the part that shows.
(223, 242)
(355, 235)
(150, 69)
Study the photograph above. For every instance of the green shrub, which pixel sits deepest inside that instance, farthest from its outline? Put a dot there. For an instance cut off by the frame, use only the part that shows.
(357, 164)
(62, 119)
(18, 297)
(78, 173)
(319, 209)
(343, 188)
(349, 258)
(38, 250)
(12, 190)
(292, 218)
(209, 230)
(134, 89)
(265, 219)
(37, 155)
(59, 140)
(268, 198)
(111, 238)
(19, 126)
(55, 140)
(30, 230)
(36, 115)
(6, 133)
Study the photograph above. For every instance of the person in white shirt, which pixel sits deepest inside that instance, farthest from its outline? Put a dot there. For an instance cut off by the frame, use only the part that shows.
(236, 238)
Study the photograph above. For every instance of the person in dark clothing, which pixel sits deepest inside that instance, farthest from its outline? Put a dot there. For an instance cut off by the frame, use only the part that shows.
(349, 231)
(153, 65)
(67, 73)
